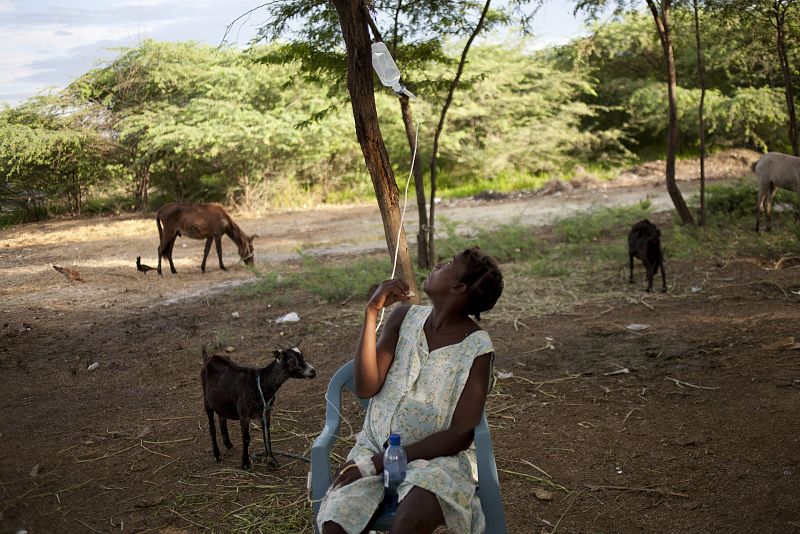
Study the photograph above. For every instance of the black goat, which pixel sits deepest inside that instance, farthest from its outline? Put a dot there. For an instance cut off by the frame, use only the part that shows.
(245, 393)
(644, 242)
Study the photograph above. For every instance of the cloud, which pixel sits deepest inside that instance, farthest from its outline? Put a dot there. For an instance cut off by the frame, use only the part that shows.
(44, 46)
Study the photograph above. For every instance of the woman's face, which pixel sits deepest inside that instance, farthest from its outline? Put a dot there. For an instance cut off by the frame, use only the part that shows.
(445, 276)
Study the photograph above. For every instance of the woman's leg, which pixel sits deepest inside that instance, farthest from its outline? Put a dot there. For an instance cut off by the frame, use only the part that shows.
(419, 512)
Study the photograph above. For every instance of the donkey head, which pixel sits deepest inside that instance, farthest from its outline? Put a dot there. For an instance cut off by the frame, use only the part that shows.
(292, 360)
(246, 250)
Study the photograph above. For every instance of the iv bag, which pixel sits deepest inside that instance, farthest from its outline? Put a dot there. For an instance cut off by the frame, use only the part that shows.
(387, 69)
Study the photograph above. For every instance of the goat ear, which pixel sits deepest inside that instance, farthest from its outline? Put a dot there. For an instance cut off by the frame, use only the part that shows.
(277, 354)
(253, 237)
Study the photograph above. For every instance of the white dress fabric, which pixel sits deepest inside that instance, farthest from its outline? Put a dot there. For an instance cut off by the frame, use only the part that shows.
(417, 399)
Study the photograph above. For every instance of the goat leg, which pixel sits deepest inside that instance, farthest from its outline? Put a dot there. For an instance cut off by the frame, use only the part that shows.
(663, 277)
(269, 457)
(213, 431)
(223, 427)
(651, 271)
(630, 262)
(245, 424)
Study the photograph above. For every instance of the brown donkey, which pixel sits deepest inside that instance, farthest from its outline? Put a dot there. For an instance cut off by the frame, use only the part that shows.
(199, 221)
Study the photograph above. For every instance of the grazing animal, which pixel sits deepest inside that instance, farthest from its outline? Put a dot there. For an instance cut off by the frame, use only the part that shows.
(141, 267)
(72, 275)
(199, 221)
(774, 170)
(245, 393)
(644, 242)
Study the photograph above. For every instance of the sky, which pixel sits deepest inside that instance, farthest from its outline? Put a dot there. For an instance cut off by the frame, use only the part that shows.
(46, 44)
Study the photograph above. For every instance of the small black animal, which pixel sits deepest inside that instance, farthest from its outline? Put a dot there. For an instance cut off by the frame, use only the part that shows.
(141, 267)
(232, 391)
(644, 242)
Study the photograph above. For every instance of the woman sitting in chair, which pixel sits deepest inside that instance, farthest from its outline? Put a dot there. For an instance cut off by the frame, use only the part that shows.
(427, 378)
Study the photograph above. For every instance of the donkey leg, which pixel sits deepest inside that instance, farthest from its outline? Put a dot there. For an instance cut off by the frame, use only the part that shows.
(162, 248)
(759, 208)
(218, 242)
(770, 198)
(170, 246)
(205, 255)
(245, 424)
(223, 428)
(213, 431)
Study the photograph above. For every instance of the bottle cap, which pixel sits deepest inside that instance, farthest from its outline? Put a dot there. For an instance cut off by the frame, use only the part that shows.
(394, 439)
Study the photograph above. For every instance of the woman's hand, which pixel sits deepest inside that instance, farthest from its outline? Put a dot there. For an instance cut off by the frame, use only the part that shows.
(389, 292)
(347, 474)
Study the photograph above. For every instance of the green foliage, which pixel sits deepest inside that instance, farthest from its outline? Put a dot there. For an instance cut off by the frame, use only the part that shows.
(749, 116)
(508, 242)
(739, 200)
(601, 224)
(330, 281)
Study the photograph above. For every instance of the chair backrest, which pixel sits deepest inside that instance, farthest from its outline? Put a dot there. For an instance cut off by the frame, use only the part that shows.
(488, 484)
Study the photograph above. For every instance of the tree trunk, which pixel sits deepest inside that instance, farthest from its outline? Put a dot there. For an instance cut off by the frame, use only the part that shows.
(353, 19)
(780, 25)
(423, 261)
(701, 75)
(178, 184)
(246, 189)
(440, 127)
(142, 185)
(662, 25)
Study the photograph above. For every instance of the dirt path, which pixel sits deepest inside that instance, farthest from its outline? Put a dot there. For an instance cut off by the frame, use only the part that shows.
(104, 250)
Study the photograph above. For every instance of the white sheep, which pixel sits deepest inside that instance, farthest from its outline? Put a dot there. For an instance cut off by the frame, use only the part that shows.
(774, 170)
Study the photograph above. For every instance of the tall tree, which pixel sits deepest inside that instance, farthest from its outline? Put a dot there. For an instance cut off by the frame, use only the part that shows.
(701, 78)
(353, 17)
(660, 10)
(777, 14)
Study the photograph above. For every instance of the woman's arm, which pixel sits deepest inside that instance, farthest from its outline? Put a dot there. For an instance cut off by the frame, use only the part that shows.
(466, 417)
(374, 358)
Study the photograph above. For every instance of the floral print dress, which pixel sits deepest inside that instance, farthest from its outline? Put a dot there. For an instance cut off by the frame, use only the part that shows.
(418, 398)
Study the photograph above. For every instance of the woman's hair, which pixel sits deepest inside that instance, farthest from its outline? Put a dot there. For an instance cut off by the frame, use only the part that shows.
(484, 279)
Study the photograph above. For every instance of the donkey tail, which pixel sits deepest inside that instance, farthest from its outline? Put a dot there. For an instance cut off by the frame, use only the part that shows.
(158, 223)
(205, 353)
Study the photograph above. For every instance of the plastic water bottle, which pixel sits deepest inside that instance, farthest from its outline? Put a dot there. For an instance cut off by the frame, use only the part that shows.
(394, 473)
(387, 69)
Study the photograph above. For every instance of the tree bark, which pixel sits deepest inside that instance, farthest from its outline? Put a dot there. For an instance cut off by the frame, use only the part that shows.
(701, 75)
(354, 21)
(440, 127)
(779, 12)
(142, 185)
(661, 18)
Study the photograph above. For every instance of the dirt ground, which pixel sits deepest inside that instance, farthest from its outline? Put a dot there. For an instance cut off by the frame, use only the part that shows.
(700, 434)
